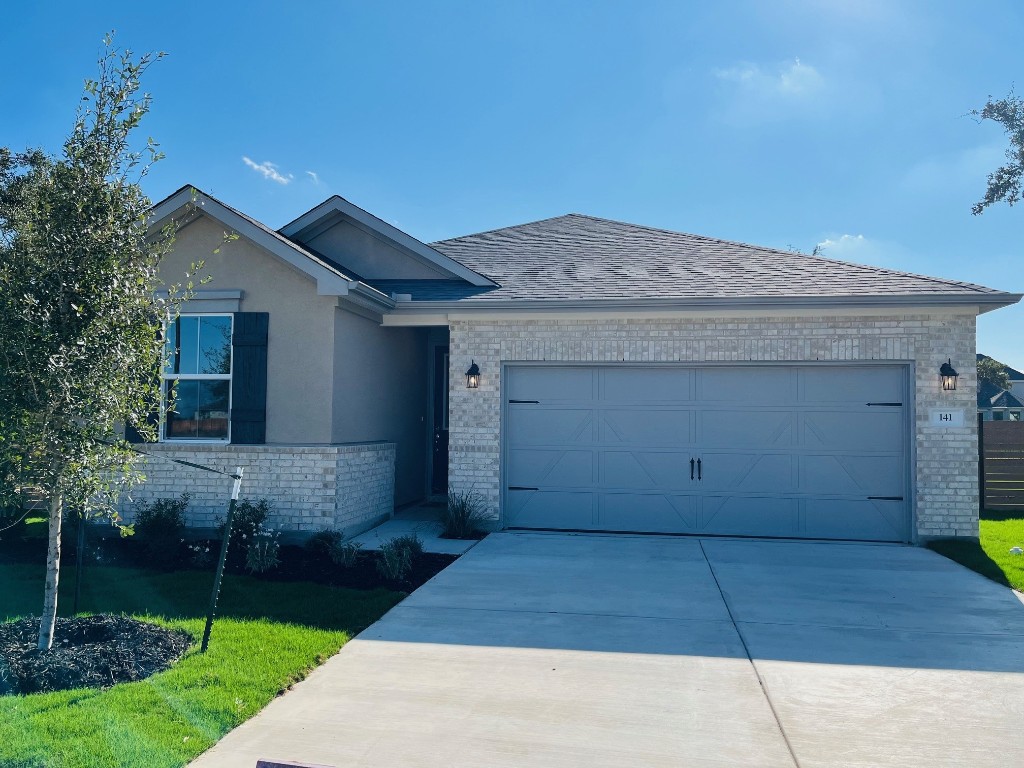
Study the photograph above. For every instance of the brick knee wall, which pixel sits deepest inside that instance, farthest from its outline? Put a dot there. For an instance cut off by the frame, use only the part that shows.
(348, 487)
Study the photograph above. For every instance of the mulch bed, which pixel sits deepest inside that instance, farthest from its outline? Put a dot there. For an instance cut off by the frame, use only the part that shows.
(87, 652)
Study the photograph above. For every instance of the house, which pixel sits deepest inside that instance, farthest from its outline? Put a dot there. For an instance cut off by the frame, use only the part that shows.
(996, 404)
(626, 378)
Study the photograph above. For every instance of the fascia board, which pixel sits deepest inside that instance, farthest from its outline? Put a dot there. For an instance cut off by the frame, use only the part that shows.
(381, 228)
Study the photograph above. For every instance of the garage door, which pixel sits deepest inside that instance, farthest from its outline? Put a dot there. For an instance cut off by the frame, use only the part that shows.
(789, 451)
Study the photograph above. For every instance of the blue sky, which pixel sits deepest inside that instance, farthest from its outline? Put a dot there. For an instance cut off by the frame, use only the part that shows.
(783, 123)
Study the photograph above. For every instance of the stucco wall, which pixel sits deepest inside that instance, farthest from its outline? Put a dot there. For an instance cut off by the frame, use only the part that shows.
(945, 467)
(301, 336)
(381, 394)
(345, 487)
(370, 257)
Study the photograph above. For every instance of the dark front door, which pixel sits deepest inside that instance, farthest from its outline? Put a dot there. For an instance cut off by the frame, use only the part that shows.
(439, 472)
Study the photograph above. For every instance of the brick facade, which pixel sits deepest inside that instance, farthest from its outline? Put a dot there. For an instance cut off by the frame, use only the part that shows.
(944, 459)
(348, 487)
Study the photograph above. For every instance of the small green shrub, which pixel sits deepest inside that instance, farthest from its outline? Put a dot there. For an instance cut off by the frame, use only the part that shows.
(248, 520)
(332, 544)
(462, 517)
(397, 556)
(160, 527)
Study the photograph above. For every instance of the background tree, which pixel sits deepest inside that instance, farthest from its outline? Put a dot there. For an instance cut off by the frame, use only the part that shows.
(1004, 184)
(80, 316)
(993, 372)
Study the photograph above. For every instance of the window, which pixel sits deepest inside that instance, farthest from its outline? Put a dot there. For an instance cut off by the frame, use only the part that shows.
(1014, 415)
(198, 372)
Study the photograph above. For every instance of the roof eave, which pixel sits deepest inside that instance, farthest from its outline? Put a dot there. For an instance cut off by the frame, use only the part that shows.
(983, 302)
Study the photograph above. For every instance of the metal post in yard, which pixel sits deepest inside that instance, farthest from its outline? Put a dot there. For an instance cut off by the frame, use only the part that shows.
(223, 558)
(981, 464)
(79, 562)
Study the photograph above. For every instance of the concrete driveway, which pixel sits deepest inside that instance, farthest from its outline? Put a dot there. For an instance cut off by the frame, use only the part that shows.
(590, 650)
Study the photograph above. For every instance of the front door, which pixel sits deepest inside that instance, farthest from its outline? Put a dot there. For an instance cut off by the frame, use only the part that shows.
(439, 465)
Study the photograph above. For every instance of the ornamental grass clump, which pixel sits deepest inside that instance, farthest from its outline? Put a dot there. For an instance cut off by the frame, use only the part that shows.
(463, 516)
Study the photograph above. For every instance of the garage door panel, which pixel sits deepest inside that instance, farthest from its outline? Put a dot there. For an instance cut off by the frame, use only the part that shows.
(645, 470)
(646, 427)
(646, 385)
(747, 472)
(851, 385)
(749, 516)
(533, 509)
(651, 513)
(734, 428)
(550, 467)
(551, 384)
(747, 386)
(867, 430)
(867, 520)
(851, 474)
(546, 427)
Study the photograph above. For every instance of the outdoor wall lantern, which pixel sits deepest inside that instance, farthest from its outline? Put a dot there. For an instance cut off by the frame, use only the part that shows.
(947, 375)
(473, 376)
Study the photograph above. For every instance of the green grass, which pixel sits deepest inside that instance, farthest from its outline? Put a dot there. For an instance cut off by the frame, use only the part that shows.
(268, 635)
(991, 557)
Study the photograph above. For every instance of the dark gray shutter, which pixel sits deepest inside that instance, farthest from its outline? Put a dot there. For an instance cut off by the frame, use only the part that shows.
(131, 434)
(249, 378)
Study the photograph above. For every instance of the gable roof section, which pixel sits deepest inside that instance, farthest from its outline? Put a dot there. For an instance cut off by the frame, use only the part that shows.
(307, 224)
(991, 396)
(189, 201)
(582, 259)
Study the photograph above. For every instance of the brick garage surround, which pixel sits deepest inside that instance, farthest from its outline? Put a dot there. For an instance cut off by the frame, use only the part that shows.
(945, 471)
(349, 487)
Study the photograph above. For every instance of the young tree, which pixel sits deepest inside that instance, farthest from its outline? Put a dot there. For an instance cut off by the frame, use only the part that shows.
(993, 372)
(80, 316)
(1004, 184)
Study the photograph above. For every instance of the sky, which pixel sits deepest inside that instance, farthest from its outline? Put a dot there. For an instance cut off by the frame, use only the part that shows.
(789, 123)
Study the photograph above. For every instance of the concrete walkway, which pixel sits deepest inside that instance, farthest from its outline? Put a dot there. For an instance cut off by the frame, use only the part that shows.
(601, 651)
(421, 520)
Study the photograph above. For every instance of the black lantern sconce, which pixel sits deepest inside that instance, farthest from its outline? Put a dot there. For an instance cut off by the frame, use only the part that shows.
(473, 376)
(947, 376)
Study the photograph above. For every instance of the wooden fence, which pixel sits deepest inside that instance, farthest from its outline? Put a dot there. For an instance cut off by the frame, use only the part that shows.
(1001, 449)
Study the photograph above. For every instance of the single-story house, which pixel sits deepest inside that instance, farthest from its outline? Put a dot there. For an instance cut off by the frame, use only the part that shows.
(997, 404)
(624, 378)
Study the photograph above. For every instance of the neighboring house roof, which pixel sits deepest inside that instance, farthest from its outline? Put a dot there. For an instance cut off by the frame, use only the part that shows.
(1013, 373)
(583, 258)
(992, 396)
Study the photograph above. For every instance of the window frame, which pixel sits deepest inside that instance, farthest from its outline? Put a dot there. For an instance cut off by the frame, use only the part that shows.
(164, 378)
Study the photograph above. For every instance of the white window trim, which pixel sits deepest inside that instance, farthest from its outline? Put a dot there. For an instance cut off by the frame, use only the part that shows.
(198, 377)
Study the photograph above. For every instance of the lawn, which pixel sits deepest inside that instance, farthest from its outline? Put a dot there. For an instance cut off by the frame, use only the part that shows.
(999, 534)
(268, 636)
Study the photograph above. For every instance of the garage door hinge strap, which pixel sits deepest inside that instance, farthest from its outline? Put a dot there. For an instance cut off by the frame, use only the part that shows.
(524, 401)
(522, 488)
(885, 498)
(885, 404)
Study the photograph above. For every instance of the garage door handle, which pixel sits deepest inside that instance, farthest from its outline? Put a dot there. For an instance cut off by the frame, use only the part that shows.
(698, 469)
(691, 469)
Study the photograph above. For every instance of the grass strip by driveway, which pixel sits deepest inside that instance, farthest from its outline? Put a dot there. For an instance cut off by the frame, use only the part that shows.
(991, 557)
(268, 636)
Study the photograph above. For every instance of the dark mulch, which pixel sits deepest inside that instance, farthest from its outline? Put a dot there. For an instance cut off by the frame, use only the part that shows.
(87, 652)
(299, 564)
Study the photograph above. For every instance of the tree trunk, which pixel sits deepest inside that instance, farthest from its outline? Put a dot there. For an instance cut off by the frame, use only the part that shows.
(49, 618)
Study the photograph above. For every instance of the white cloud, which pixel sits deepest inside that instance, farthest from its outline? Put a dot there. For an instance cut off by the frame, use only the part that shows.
(314, 176)
(868, 250)
(269, 170)
(791, 81)
(843, 246)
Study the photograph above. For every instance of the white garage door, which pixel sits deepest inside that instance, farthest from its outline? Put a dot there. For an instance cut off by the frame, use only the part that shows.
(789, 451)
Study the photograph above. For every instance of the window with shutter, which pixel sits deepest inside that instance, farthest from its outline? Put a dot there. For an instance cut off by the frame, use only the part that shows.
(197, 378)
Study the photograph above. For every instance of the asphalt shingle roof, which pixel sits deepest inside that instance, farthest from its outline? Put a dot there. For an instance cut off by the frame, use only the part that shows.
(992, 396)
(583, 257)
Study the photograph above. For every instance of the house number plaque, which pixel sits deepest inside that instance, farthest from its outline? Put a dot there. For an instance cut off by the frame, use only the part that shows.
(945, 417)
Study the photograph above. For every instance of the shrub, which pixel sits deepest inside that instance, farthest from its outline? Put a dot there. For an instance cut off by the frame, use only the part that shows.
(160, 526)
(396, 556)
(261, 554)
(332, 544)
(246, 524)
(462, 517)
